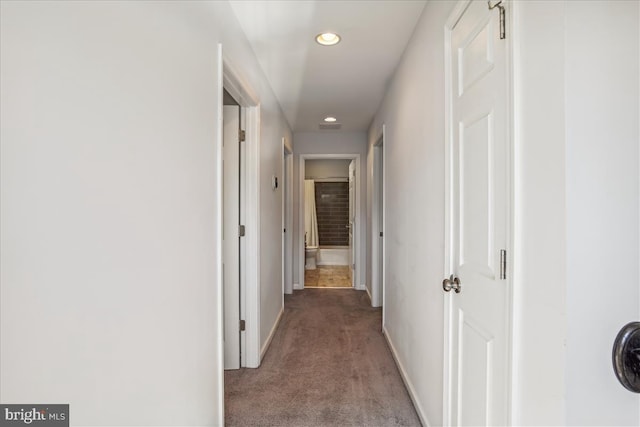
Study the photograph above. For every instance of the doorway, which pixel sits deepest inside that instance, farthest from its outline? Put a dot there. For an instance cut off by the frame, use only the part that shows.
(377, 227)
(241, 311)
(287, 219)
(329, 254)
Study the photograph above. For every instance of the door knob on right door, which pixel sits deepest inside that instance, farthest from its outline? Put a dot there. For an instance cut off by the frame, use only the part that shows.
(626, 356)
(452, 283)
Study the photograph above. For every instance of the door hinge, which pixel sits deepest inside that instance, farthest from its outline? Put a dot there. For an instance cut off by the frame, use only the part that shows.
(503, 264)
(381, 234)
(503, 31)
(243, 135)
(241, 230)
(243, 325)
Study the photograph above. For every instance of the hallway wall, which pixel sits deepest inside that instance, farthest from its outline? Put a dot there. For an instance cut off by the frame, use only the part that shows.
(576, 208)
(413, 115)
(328, 143)
(109, 292)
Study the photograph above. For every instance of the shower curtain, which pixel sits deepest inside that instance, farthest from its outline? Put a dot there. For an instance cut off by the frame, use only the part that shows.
(310, 218)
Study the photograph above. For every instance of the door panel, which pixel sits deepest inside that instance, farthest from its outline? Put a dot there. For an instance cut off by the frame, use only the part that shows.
(476, 244)
(479, 149)
(231, 242)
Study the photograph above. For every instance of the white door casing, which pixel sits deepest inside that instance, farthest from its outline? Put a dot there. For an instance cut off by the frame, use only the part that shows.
(377, 226)
(352, 220)
(477, 320)
(287, 213)
(230, 236)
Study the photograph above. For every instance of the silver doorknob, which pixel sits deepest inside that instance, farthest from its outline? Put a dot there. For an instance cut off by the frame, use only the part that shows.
(452, 283)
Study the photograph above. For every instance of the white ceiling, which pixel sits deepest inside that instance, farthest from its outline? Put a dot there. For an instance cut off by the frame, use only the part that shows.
(311, 81)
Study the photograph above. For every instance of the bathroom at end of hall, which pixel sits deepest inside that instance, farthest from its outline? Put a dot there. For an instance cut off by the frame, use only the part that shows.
(328, 220)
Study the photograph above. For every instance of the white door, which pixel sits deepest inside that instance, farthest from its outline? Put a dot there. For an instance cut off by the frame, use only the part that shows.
(478, 217)
(352, 220)
(231, 240)
(378, 226)
(287, 224)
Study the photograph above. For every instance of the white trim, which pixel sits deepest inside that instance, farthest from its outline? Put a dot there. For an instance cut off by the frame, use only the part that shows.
(250, 265)
(298, 286)
(267, 343)
(359, 273)
(287, 204)
(218, 282)
(511, 173)
(368, 293)
(407, 382)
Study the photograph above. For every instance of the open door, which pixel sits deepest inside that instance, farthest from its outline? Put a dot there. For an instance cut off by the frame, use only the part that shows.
(231, 236)
(377, 238)
(352, 220)
(476, 279)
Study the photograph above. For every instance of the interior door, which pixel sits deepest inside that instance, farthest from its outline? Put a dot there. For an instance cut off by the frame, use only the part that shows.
(231, 237)
(352, 219)
(479, 149)
(380, 208)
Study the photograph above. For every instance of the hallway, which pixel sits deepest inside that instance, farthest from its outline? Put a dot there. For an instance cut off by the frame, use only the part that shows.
(328, 365)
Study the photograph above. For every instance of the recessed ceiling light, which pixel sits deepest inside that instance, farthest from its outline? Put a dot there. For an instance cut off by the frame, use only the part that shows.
(328, 39)
(330, 119)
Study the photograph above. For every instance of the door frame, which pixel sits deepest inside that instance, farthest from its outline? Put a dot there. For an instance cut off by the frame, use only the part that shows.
(249, 212)
(378, 224)
(452, 20)
(287, 219)
(301, 260)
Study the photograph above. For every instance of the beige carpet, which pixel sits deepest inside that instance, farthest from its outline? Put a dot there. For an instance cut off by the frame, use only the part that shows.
(328, 276)
(328, 365)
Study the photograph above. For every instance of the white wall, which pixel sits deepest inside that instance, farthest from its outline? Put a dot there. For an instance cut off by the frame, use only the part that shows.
(603, 287)
(108, 288)
(273, 128)
(326, 169)
(575, 207)
(413, 115)
(540, 215)
(327, 143)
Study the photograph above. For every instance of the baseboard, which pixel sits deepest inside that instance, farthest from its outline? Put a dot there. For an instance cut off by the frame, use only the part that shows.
(267, 343)
(407, 382)
(297, 287)
(369, 293)
(360, 287)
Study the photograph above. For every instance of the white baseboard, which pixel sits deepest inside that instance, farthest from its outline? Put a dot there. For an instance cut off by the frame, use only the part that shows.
(360, 287)
(407, 382)
(265, 347)
(297, 287)
(369, 293)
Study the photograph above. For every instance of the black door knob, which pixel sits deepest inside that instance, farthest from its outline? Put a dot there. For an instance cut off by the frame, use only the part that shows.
(626, 356)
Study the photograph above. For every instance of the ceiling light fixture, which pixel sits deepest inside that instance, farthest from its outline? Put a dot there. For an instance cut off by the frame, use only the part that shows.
(330, 119)
(328, 39)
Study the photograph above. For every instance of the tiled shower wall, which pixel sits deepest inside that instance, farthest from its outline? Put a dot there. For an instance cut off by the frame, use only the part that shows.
(332, 209)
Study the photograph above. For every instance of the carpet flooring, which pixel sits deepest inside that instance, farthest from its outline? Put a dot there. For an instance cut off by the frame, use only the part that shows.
(328, 365)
